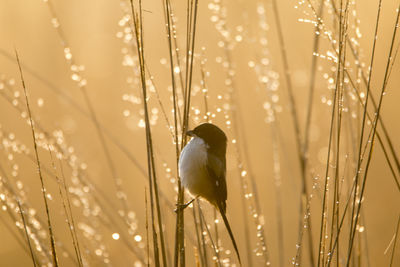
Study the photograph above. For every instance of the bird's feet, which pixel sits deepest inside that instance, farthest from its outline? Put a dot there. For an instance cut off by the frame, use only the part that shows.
(180, 207)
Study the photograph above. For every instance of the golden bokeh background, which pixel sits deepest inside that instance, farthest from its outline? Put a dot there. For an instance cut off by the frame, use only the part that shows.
(98, 39)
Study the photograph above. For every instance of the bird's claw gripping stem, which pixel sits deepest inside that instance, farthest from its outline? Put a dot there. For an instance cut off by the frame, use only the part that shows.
(180, 207)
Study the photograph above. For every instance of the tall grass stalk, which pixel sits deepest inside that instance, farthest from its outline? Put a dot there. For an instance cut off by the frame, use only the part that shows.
(305, 149)
(173, 46)
(153, 183)
(71, 220)
(278, 191)
(200, 224)
(50, 228)
(213, 244)
(68, 211)
(191, 22)
(179, 233)
(147, 229)
(342, 33)
(296, 126)
(340, 105)
(201, 249)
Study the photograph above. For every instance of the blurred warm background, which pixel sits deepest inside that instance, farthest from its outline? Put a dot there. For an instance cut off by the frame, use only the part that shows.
(79, 62)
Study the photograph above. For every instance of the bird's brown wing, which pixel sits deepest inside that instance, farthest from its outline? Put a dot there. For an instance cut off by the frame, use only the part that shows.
(216, 167)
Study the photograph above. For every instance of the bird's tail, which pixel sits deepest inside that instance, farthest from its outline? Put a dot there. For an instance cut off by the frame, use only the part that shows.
(228, 227)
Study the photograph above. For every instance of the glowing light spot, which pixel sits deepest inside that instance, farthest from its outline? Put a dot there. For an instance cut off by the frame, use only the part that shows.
(141, 123)
(138, 238)
(67, 53)
(98, 252)
(40, 102)
(177, 69)
(115, 236)
(75, 77)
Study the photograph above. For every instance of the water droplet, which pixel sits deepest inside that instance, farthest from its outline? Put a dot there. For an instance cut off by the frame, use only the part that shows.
(115, 236)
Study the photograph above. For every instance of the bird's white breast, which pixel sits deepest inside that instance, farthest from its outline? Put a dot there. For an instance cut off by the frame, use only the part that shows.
(193, 166)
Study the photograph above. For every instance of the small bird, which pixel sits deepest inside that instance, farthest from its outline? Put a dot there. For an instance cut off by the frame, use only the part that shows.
(202, 169)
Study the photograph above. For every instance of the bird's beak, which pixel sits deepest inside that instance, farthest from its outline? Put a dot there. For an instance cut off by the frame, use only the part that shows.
(190, 133)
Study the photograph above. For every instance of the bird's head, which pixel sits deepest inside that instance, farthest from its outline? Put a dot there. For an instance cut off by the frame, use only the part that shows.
(212, 135)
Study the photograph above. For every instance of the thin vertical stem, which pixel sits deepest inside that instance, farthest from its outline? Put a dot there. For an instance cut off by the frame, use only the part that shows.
(50, 228)
(364, 116)
(321, 250)
(216, 251)
(138, 23)
(203, 240)
(294, 114)
(68, 212)
(199, 233)
(147, 229)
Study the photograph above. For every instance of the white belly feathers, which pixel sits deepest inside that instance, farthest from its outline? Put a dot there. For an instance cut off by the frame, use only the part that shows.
(193, 166)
